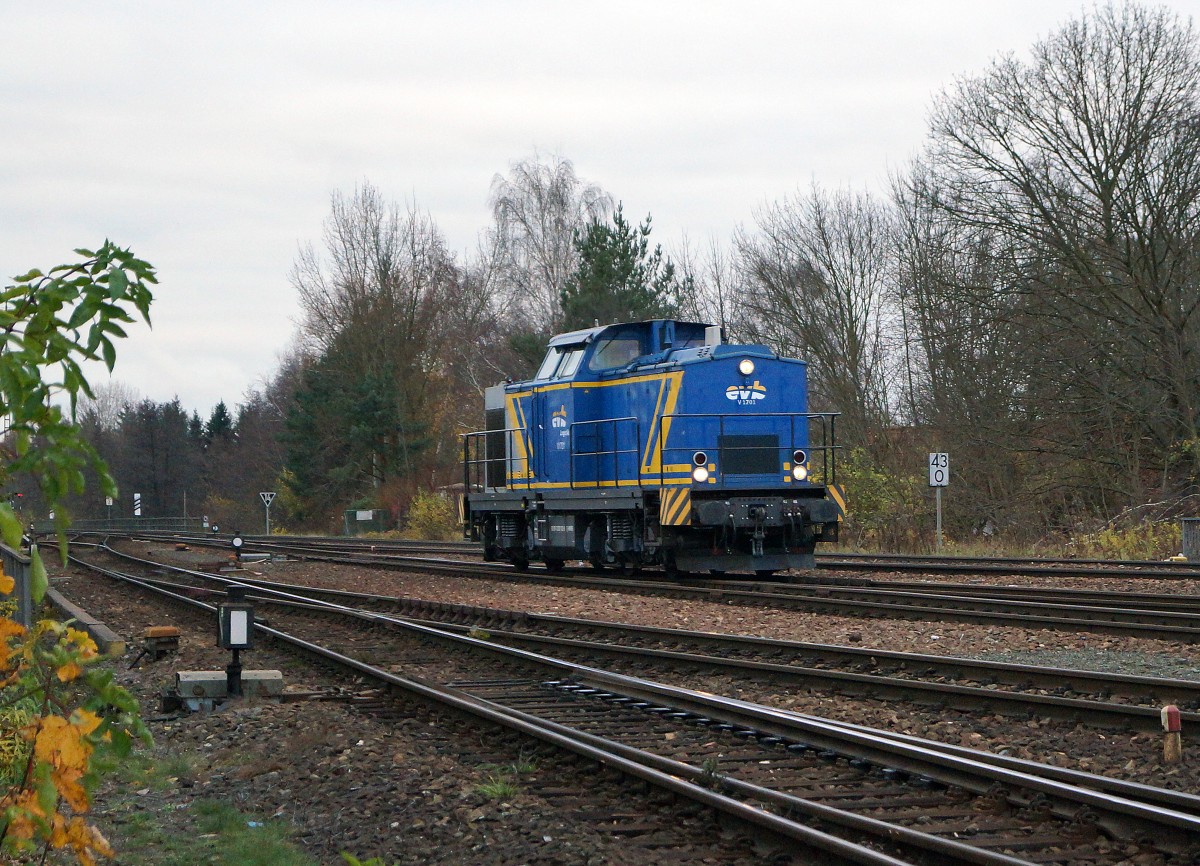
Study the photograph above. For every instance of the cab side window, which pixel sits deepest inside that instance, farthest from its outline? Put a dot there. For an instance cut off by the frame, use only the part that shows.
(570, 364)
(615, 352)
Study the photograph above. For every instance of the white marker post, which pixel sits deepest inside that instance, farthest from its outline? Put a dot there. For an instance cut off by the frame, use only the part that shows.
(939, 477)
(267, 498)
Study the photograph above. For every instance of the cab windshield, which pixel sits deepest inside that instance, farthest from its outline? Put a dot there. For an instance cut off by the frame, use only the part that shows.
(560, 362)
(549, 365)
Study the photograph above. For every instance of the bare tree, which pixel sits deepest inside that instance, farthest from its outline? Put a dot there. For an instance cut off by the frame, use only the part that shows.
(103, 410)
(538, 208)
(967, 349)
(385, 310)
(710, 284)
(1085, 161)
(817, 275)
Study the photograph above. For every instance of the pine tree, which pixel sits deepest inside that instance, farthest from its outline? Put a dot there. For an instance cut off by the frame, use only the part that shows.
(618, 279)
(220, 424)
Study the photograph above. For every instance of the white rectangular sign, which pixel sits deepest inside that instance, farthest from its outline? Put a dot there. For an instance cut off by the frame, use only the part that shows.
(939, 470)
(239, 626)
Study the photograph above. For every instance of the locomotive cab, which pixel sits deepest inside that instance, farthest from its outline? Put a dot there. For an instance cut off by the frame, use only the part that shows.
(654, 443)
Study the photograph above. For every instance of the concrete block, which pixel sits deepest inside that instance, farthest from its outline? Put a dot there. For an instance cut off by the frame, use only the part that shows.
(212, 684)
(107, 640)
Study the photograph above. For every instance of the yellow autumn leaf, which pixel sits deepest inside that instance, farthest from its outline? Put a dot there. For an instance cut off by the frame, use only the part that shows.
(25, 810)
(60, 744)
(67, 781)
(7, 584)
(86, 841)
(10, 628)
(58, 834)
(21, 826)
(83, 640)
(85, 720)
(83, 834)
(68, 672)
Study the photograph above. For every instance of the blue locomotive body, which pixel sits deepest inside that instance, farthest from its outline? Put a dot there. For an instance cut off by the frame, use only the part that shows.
(654, 443)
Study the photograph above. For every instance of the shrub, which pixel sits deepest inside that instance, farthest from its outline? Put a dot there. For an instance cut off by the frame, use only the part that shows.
(431, 516)
(879, 505)
(1148, 539)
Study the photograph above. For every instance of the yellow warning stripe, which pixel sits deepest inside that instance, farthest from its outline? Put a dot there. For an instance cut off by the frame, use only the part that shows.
(675, 506)
(836, 494)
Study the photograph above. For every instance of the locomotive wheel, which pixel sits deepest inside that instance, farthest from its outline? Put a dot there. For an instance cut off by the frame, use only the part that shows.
(597, 563)
(555, 565)
(520, 563)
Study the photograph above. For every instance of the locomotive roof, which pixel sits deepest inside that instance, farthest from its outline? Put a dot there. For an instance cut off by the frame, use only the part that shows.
(586, 335)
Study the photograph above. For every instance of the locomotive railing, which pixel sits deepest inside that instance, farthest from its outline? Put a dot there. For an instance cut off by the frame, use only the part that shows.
(820, 448)
(595, 430)
(494, 467)
(489, 460)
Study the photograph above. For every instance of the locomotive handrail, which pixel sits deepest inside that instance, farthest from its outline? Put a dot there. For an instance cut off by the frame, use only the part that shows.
(615, 451)
(475, 469)
(826, 446)
(504, 459)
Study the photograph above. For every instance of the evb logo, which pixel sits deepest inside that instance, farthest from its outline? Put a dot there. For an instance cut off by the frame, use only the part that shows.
(746, 395)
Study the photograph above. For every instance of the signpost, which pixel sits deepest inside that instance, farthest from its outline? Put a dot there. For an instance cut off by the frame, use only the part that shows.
(939, 477)
(267, 497)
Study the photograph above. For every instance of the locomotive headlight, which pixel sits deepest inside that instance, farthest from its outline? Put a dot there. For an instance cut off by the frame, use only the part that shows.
(699, 458)
(745, 366)
(700, 474)
(799, 467)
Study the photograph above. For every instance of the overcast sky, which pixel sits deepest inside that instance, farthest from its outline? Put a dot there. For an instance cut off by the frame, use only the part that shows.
(209, 136)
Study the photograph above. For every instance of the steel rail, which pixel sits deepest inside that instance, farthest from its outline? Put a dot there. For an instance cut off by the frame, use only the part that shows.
(1120, 814)
(875, 686)
(1116, 568)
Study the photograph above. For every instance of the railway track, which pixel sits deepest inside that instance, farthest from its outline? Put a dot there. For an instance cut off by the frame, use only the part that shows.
(1092, 697)
(1126, 614)
(835, 787)
(940, 564)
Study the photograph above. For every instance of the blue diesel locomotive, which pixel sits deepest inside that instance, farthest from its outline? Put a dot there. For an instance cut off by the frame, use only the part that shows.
(653, 443)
